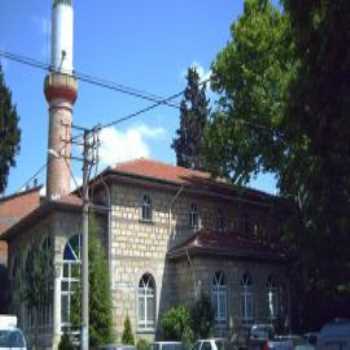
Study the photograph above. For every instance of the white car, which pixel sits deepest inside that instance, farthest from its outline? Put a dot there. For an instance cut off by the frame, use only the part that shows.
(211, 344)
(10, 336)
(167, 345)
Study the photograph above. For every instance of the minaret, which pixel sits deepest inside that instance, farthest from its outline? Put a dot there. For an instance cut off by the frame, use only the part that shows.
(61, 92)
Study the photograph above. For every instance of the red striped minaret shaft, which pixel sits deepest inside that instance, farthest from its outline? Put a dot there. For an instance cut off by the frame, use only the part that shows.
(61, 92)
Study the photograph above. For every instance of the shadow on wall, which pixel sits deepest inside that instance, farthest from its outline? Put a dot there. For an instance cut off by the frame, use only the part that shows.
(4, 290)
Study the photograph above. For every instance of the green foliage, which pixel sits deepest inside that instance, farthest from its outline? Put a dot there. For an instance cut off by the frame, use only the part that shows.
(128, 336)
(10, 133)
(284, 87)
(202, 315)
(247, 131)
(193, 118)
(175, 323)
(143, 344)
(100, 301)
(65, 343)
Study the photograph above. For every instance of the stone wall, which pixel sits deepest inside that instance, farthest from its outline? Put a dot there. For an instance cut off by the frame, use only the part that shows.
(195, 276)
(140, 247)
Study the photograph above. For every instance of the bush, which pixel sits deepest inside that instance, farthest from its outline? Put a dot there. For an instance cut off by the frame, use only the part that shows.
(128, 337)
(202, 315)
(174, 322)
(65, 343)
(187, 338)
(143, 344)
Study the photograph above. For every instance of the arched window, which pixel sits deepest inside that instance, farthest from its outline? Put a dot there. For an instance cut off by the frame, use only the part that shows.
(219, 298)
(220, 220)
(194, 216)
(273, 297)
(146, 303)
(247, 299)
(70, 279)
(146, 212)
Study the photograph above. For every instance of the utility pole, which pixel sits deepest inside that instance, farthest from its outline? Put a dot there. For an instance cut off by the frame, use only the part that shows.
(84, 336)
(90, 157)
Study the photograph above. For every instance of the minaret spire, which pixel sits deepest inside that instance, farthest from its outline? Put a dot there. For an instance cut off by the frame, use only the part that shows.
(61, 92)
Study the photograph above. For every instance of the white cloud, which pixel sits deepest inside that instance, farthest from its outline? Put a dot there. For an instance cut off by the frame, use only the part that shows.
(119, 146)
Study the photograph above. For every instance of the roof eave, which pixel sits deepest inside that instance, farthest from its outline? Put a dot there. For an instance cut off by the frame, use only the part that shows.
(36, 215)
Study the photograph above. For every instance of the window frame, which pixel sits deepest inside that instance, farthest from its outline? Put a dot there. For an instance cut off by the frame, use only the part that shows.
(273, 298)
(146, 324)
(194, 216)
(69, 280)
(247, 298)
(146, 207)
(219, 295)
(220, 220)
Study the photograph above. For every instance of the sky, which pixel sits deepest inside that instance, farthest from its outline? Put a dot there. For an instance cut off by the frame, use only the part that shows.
(144, 45)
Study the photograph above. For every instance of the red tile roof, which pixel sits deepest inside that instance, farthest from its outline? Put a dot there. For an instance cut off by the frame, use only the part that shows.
(155, 170)
(228, 244)
(14, 207)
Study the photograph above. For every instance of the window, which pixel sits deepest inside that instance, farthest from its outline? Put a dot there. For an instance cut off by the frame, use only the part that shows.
(70, 279)
(194, 216)
(146, 214)
(146, 303)
(219, 298)
(247, 300)
(272, 297)
(220, 220)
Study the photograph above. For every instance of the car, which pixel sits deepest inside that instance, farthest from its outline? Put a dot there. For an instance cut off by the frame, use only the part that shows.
(335, 335)
(288, 342)
(311, 337)
(117, 347)
(11, 337)
(167, 345)
(259, 334)
(210, 344)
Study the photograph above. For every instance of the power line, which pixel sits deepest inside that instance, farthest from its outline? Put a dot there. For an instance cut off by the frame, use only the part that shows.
(108, 84)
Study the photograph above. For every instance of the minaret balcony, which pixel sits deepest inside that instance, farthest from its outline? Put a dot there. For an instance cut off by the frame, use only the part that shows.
(61, 85)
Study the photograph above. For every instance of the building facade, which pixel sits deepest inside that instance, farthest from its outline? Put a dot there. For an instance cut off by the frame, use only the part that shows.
(171, 234)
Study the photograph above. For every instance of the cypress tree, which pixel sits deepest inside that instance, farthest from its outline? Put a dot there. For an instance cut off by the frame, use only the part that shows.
(10, 133)
(194, 112)
(128, 337)
(100, 300)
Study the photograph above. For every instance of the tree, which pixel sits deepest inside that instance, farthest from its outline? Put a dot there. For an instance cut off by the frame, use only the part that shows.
(128, 337)
(10, 134)
(193, 118)
(100, 300)
(202, 315)
(175, 323)
(246, 133)
(38, 276)
(283, 80)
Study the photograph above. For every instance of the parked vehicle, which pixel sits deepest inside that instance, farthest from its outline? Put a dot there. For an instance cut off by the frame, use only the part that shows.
(311, 337)
(288, 342)
(10, 336)
(211, 344)
(335, 336)
(117, 347)
(259, 334)
(167, 345)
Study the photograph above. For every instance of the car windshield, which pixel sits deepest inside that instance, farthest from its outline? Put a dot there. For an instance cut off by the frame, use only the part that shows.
(9, 338)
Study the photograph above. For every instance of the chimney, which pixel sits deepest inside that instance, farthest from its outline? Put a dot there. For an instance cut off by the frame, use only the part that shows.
(61, 92)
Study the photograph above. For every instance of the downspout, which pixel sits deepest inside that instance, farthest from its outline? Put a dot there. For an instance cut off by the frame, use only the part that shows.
(193, 273)
(171, 206)
(109, 229)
